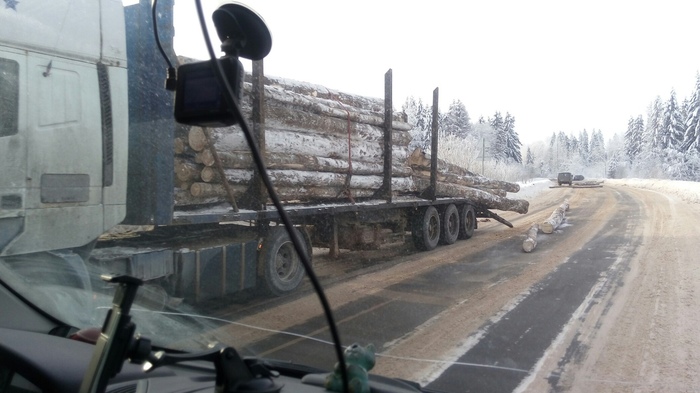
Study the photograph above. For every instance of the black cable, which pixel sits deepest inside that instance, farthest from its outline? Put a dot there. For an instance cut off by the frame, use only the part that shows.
(155, 33)
(257, 158)
(171, 80)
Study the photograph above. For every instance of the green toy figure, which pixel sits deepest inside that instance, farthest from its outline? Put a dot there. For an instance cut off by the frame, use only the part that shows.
(358, 360)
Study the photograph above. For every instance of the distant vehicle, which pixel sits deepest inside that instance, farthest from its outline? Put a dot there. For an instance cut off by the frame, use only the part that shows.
(578, 177)
(564, 178)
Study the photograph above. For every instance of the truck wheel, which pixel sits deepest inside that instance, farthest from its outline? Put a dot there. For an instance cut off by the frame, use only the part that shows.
(450, 225)
(282, 267)
(467, 221)
(425, 229)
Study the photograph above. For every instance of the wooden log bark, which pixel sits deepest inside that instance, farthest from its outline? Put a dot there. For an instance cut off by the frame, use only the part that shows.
(297, 142)
(479, 197)
(284, 116)
(480, 182)
(530, 241)
(330, 108)
(243, 160)
(293, 178)
(315, 90)
(184, 198)
(555, 219)
(215, 193)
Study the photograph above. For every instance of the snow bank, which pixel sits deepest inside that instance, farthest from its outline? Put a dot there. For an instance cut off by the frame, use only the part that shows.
(687, 190)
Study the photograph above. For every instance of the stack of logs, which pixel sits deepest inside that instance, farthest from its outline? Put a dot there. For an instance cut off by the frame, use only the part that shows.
(320, 145)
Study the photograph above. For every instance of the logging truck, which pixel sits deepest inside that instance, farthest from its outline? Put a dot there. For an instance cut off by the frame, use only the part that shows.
(340, 163)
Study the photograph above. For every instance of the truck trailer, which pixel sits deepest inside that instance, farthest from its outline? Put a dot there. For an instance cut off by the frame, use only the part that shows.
(124, 131)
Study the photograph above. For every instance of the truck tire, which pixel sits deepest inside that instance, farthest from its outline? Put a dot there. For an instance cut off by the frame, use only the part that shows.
(425, 228)
(281, 265)
(450, 225)
(467, 221)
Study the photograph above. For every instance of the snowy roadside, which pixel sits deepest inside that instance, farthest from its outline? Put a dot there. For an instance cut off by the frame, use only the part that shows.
(687, 190)
(531, 189)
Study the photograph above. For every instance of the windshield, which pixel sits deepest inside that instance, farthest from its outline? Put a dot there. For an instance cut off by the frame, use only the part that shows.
(494, 197)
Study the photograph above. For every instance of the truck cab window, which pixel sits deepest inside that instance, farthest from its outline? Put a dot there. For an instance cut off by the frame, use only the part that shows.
(9, 97)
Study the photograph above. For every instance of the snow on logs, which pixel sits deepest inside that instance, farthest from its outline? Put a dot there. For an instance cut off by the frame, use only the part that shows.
(556, 218)
(455, 181)
(313, 136)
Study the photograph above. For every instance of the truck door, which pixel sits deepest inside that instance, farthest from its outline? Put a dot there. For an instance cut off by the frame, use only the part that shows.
(62, 163)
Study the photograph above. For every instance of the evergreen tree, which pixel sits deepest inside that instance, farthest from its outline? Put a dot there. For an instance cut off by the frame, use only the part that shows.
(634, 138)
(597, 149)
(498, 147)
(456, 121)
(613, 163)
(692, 121)
(573, 145)
(672, 125)
(584, 147)
(420, 117)
(512, 140)
(529, 157)
(653, 137)
(629, 139)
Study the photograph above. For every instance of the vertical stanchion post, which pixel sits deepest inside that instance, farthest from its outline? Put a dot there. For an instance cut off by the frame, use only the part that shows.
(434, 147)
(385, 191)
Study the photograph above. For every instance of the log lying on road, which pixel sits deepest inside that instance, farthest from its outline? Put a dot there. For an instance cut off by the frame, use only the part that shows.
(555, 219)
(530, 241)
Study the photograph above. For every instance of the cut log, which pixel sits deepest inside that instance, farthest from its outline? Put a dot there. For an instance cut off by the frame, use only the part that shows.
(314, 90)
(215, 192)
(297, 142)
(187, 171)
(243, 160)
(479, 197)
(183, 185)
(284, 116)
(184, 198)
(293, 178)
(555, 219)
(530, 241)
(418, 159)
(476, 181)
(330, 108)
(181, 147)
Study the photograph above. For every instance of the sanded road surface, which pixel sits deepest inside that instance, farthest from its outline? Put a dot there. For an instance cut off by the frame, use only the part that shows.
(606, 303)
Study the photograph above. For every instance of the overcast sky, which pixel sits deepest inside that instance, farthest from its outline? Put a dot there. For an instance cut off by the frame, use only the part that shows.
(554, 65)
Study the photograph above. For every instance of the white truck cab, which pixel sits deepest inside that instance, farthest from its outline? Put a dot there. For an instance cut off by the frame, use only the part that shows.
(63, 123)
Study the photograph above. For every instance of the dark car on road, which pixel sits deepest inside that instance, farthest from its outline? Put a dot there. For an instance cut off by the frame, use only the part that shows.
(564, 178)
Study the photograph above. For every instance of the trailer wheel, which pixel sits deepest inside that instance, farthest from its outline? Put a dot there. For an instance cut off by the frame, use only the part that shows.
(450, 225)
(282, 267)
(467, 221)
(425, 229)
